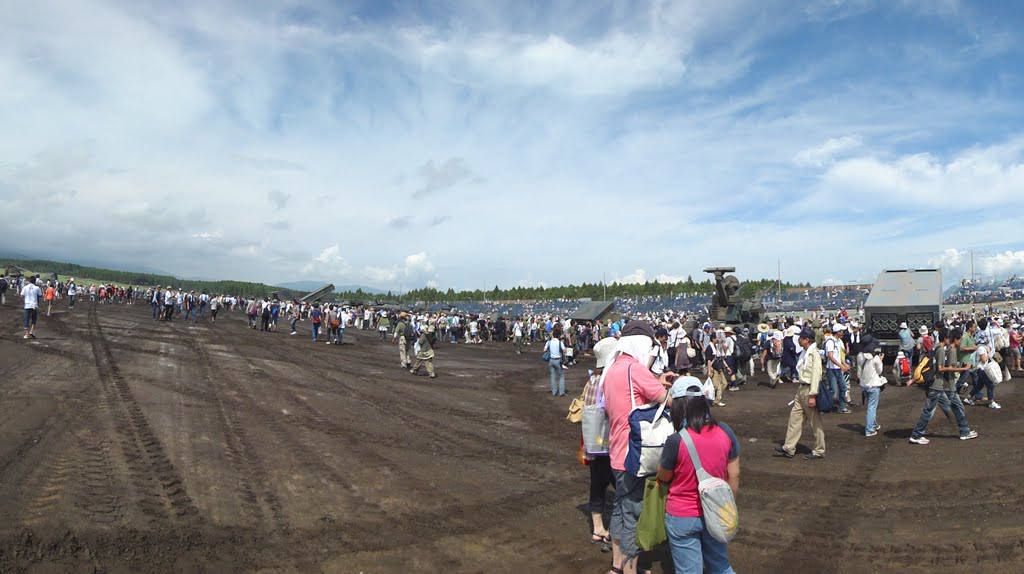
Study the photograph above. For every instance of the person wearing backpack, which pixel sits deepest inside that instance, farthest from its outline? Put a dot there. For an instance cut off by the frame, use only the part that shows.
(627, 383)
(772, 357)
(694, 549)
(944, 385)
(869, 365)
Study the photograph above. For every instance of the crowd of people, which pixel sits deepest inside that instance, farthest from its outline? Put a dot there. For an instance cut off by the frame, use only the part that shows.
(655, 359)
(957, 361)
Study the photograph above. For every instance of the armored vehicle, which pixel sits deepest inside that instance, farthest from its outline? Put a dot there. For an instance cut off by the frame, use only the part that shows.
(913, 296)
(726, 306)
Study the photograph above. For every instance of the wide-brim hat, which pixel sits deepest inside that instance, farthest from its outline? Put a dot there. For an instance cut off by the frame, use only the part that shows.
(763, 328)
(604, 350)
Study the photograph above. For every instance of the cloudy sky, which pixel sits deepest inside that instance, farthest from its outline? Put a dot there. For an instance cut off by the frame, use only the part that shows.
(468, 144)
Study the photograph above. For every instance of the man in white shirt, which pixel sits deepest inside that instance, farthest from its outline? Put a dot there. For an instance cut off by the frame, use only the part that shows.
(31, 293)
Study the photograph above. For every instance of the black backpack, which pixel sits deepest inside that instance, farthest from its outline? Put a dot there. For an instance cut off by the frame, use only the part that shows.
(743, 350)
(410, 332)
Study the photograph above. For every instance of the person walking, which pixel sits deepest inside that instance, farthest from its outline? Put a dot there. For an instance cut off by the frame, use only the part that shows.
(907, 344)
(555, 347)
(694, 550)
(401, 337)
(627, 382)
(49, 296)
(805, 406)
(425, 352)
(599, 463)
(72, 291)
(869, 365)
(30, 294)
(944, 384)
(836, 367)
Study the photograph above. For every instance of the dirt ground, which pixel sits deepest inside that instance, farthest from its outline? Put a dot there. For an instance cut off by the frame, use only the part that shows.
(128, 445)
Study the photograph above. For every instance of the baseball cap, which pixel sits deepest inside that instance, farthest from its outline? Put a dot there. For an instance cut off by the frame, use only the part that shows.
(838, 327)
(687, 386)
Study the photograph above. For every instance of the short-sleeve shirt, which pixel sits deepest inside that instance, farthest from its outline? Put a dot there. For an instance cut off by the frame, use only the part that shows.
(31, 295)
(646, 389)
(832, 349)
(716, 447)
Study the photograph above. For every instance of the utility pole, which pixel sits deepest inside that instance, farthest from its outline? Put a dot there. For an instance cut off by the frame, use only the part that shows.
(778, 296)
(604, 285)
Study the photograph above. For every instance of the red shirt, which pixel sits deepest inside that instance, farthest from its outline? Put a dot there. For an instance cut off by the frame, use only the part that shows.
(716, 446)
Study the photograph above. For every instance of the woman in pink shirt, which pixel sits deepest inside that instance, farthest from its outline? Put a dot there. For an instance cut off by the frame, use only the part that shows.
(692, 546)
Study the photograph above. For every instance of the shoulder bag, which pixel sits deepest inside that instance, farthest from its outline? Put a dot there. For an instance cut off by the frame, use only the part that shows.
(721, 517)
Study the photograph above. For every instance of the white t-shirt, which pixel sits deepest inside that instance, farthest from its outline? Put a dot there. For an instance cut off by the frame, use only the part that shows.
(31, 294)
(555, 348)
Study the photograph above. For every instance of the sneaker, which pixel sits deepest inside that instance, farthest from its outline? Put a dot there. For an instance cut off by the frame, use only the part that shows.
(720, 403)
(293, 333)
(878, 428)
(25, 337)
(329, 343)
(968, 401)
(31, 335)
(871, 433)
(734, 388)
(970, 435)
(994, 405)
(844, 411)
(812, 456)
(921, 440)
(781, 451)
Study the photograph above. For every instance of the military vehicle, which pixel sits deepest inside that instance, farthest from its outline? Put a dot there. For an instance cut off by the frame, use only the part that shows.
(913, 296)
(726, 306)
(319, 293)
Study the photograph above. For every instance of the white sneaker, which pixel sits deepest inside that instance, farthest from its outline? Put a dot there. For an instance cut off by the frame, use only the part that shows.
(721, 404)
(970, 435)
(921, 440)
(994, 405)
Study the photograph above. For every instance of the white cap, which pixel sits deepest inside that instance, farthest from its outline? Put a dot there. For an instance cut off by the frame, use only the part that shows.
(903, 325)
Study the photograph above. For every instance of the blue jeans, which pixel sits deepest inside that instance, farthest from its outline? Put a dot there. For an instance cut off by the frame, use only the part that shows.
(871, 393)
(693, 547)
(316, 330)
(941, 398)
(837, 384)
(555, 365)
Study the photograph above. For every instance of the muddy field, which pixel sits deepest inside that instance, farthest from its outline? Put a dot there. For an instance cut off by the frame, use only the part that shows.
(128, 445)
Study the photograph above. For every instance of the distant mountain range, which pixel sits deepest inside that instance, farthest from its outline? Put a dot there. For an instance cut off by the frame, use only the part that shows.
(313, 285)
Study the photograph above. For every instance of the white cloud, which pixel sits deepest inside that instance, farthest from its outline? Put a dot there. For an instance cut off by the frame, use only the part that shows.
(418, 263)
(640, 276)
(956, 264)
(981, 177)
(826, 152)
(328, 262)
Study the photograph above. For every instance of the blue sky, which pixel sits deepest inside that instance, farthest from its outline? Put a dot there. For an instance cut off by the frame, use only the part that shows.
(468, 144)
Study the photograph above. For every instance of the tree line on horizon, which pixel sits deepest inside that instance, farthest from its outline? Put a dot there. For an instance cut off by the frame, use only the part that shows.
(596, 291)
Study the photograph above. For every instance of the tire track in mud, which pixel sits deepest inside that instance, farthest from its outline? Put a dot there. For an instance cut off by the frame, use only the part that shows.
(444, 433)
(252, 484)
(161, 491)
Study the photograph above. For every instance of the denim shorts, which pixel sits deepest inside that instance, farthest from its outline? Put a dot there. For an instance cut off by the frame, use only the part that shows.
(31, 315)
(629, 501)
